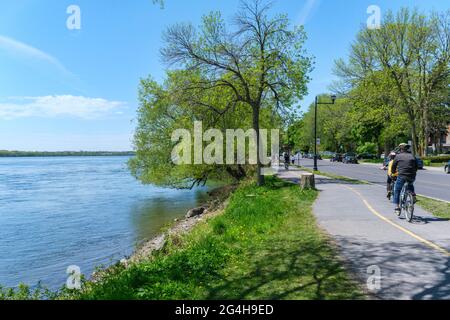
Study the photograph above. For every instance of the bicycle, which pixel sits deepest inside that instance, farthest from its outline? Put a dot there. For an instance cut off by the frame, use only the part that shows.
(406, 202)
(391, 189)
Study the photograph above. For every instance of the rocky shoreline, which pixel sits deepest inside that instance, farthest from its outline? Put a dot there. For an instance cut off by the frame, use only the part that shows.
(217, 202)
(192, 218)
(215, 206)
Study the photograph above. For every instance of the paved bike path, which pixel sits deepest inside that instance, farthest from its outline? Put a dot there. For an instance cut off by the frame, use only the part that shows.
(429, 183)
(414, 258)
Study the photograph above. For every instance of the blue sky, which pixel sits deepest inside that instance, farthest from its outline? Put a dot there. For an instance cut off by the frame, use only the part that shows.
(64, 89)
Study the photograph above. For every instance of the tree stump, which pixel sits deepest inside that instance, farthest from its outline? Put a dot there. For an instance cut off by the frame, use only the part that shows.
(307, 181)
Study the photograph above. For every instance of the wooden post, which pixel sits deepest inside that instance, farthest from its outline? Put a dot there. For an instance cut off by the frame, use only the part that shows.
(307, 181)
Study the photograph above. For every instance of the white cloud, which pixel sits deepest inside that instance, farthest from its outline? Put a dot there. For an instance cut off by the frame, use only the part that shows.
(307, 10)
(19, 48)
(54, 106)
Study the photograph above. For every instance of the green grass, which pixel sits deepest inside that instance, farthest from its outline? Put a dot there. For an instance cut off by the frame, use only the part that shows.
(380, 161)
(436, 165)
(437, 208)
(266, 245)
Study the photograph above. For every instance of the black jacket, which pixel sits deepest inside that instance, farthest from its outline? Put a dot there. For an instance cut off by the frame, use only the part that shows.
(406, 165)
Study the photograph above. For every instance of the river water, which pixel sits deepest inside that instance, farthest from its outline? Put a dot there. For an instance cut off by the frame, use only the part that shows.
(83, 211)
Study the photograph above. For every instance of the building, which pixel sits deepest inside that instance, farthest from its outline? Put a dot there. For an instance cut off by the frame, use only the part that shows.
(446, 140)
(440, 143)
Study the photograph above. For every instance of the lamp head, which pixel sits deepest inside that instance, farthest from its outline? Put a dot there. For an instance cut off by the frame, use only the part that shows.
(333, 98)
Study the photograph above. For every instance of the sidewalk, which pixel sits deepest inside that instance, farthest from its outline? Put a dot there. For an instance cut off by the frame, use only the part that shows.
(413, 258)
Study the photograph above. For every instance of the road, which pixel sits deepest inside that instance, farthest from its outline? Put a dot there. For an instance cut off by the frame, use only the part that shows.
(392, 258)
(430, 183)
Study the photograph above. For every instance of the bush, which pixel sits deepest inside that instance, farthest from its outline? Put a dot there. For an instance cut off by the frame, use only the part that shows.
(440, 159)
(368, 147)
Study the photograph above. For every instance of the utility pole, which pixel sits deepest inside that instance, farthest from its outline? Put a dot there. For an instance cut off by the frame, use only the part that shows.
(316, 103)
(315, 134)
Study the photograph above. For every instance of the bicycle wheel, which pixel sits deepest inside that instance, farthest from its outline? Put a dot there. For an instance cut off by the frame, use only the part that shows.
(409, 206)
(402, 202)
(391, 191)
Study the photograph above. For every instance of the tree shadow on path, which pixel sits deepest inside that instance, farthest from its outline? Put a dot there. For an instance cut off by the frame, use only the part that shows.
(408, 270)
(309, 271)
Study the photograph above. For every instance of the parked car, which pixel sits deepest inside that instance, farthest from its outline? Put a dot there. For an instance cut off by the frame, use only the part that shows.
(350, 158)
(327, 154)
(447, 167)
(311, 156)
(337, 158)
(352, 154)
(366, 156)
(419, 163)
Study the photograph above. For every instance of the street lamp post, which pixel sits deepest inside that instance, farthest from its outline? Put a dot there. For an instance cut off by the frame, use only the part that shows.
(316, 103)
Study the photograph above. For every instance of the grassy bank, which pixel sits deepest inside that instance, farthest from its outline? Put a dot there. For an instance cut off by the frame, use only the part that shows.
(437, 208)
(266, 245)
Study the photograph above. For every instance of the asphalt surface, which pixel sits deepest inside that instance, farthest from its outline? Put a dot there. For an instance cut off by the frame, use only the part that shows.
(392, 258)
(430, 183)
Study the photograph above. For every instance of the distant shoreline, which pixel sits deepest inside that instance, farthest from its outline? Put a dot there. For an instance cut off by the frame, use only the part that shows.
(25, 154)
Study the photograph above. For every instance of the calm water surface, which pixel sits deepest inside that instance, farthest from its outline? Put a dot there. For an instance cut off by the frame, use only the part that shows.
(84, 211)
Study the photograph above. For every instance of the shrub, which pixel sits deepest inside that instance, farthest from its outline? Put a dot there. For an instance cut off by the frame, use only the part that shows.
(439, 159)
(368, 147)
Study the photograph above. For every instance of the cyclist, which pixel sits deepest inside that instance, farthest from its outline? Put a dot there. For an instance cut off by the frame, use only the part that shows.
(287, 158)
(391, 176)
(406, 166)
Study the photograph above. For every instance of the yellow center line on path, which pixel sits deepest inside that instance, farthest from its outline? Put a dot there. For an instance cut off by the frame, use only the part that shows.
(408, 232)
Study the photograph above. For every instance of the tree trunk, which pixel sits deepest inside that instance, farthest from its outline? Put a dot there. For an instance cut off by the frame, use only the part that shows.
(237, 173)
(307, 181)
(426, 139)
(387, 149)
(414, 139)
(259, 176)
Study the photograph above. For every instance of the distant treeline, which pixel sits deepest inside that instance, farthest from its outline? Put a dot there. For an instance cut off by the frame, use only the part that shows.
(5, 153)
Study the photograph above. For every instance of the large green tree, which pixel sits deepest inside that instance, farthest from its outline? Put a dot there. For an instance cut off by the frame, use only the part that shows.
(260, 60)
(409, 56)
(374, 115)
(164, 109)
(333, 126)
